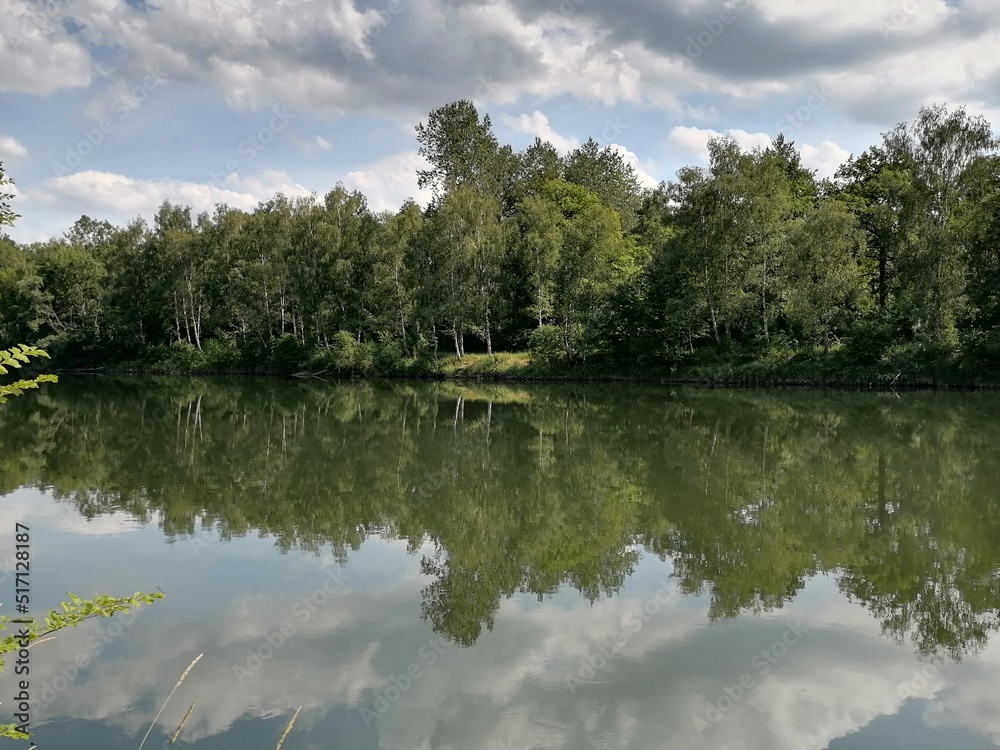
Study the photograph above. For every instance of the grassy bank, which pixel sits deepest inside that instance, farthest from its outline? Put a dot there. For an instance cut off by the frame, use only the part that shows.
(896, 367)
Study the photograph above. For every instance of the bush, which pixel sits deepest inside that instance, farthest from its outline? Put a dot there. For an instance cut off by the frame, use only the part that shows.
(287, 355)
(869, 342)
(981, 350)
(344, 352)
(365, 354)
(183, 357)
(389, 356)
(545, 346)
(221, 355)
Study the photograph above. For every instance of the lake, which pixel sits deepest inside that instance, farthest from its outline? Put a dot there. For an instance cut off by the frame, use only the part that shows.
(432, 565)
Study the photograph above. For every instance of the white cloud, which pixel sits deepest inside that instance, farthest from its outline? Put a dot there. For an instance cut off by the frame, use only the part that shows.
(825, 158)
(695, 140)
(311, 145)
(9, 147)
(109, 192)
(28, 505)
(390, 181)
(37, 56)
(362, 639)
(642, 169)
(537, 124)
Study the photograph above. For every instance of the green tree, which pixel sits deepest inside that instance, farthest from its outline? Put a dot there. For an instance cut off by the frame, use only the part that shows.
(941, 148)
(7, 215)
(825, 279)
(589, 266)
(462, 150)
(604, 172)
(878, 187)
(397, 249)
(539, 246)
(22, 299)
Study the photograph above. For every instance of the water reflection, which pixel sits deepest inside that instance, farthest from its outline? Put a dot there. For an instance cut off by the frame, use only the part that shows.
(529, 528)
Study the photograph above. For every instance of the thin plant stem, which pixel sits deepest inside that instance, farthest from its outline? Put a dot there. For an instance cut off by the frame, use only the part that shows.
(288, 728)
(183, 722)
(190, 666)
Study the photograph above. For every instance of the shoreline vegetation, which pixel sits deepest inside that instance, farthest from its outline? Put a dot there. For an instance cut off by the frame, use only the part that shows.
(518, 367)
(537, 265)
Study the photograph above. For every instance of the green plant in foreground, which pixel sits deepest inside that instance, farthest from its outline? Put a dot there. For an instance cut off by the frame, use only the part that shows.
(76, 610)
(70, 615)
(16, 357)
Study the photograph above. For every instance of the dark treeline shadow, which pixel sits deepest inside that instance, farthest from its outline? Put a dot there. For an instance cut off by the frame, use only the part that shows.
(529, 489)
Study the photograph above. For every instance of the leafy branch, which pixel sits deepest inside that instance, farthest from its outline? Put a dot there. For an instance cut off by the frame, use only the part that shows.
(16, 357)
(71, 614)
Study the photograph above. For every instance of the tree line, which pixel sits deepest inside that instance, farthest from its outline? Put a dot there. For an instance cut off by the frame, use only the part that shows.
(565, 256)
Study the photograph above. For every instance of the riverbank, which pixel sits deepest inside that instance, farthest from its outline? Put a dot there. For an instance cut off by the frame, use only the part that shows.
(909, 369)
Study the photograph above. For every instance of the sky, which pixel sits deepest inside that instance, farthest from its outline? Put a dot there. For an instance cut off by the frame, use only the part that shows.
(109, 107)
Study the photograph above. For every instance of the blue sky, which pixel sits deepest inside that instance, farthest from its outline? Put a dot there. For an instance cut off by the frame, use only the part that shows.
(108, 107)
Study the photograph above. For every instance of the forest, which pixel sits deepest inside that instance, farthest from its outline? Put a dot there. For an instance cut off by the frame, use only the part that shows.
(548, 263)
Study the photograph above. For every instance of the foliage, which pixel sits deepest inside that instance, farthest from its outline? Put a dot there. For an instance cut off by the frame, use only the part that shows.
(545, 345)
(70, 615)
(715, 267)
(7, 215)
(15, 358)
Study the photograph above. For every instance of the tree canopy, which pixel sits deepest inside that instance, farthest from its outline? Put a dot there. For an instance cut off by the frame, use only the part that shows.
(750, 258)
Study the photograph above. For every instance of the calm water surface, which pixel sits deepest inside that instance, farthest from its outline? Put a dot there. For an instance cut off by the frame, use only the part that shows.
(434, 566)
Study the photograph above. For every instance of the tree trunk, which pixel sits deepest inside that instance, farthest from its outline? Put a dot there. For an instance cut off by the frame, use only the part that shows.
(763, 301)
(489, 338)
(883, 278)
(177, 318)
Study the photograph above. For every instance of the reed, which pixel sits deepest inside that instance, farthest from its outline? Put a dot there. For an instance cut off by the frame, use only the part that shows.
(156, 718)
(183, 722)
(288, 728)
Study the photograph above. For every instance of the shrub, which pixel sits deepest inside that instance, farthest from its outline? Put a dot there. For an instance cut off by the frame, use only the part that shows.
(184, 357)
(344, 352)
(389, 356)
(545, 346)
(221, 355)
(364, 361)
(287, 355)
(869, 341)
